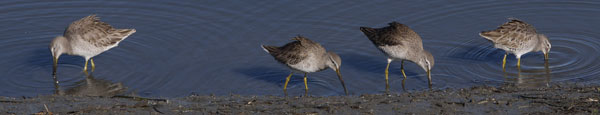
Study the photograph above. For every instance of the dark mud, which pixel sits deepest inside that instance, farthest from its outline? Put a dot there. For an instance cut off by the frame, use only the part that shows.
(506, 99)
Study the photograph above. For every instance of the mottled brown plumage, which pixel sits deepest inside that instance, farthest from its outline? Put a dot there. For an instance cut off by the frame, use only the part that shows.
(394, 34)
(511, 35)
(519, 38)
(306, 56)
(97, 33)
(87, 37)
(398, 41)
(294, 52)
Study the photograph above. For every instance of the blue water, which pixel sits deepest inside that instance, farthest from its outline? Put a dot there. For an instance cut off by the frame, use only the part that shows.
(213, 47)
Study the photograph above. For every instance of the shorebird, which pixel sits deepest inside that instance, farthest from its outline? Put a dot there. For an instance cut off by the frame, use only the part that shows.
(87, 38)
(517, 37)
(305, 56)
(399, 42)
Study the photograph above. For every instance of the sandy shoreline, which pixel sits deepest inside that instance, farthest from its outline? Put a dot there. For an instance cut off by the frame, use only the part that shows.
(506, 99)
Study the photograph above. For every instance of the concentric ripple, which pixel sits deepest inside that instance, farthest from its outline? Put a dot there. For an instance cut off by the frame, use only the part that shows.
(200, 47)
(29, 27)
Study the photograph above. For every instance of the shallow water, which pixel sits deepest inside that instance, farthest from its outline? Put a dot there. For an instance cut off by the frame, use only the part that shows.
(192, 47)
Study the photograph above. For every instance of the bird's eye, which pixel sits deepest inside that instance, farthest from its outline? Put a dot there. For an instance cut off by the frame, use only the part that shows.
(336, 64)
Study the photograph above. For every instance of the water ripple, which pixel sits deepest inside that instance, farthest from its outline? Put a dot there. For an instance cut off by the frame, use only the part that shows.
(202, 47)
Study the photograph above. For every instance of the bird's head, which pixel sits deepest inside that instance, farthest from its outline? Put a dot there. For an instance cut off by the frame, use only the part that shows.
(426, 62)
(335, 62)
(545, 45)
(58, 46)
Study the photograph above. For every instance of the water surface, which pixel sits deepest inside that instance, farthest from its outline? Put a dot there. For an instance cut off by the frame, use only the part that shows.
(213, 47)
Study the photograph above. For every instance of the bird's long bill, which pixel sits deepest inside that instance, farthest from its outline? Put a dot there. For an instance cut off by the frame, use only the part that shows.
(54, 65)
(429, 77)
(546, 56)
(341, 80)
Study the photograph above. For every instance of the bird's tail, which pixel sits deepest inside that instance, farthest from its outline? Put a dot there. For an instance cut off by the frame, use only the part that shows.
(490, 35)
(269, 49)
(368, 31)
(124, 33)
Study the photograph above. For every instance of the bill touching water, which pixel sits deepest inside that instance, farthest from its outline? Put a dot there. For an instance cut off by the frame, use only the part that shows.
(184, 48)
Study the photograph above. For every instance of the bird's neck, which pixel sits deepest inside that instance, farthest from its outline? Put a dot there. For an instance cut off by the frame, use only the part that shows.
(68, 49)
(418, 55)
(540, 45)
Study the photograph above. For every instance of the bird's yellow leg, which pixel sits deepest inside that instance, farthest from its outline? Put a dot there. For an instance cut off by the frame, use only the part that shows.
(85, 66)
(286, 82)
(387, 86)
(93, 65)
(504, 61)
(403, 74)
(403, 82)
(402, 69)
(305, 85)
(519, 63)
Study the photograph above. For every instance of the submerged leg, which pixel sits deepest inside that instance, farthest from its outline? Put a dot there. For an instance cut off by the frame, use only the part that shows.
(387, 86)
(287, 79)
(403, 88)
(504, 61)
(305, 85)
(93, 65)
(403, 74)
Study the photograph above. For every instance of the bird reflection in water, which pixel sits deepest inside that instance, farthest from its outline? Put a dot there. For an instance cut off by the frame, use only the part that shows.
(91, 86)
(532, 78)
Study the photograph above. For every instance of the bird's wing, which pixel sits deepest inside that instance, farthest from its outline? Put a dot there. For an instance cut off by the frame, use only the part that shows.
(510, 34)
(305, 41)
(97, 33)
(395, 34)
(296, 51)
(291, 53)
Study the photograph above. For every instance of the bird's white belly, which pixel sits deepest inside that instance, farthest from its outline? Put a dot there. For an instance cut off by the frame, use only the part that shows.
(85, 49)
(309, 65)
(522, 49)
(394, 52)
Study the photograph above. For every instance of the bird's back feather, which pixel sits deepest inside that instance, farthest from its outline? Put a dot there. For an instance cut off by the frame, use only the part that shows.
(394, 34)
(95, 32)
(511, 35)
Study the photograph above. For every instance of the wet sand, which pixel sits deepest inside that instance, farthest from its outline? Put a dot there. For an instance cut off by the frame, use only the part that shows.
(505, 99)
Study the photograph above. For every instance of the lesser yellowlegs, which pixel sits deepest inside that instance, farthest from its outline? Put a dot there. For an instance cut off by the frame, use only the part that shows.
(399, 42)
(305, 56)
(517, 37)
(87, 37)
